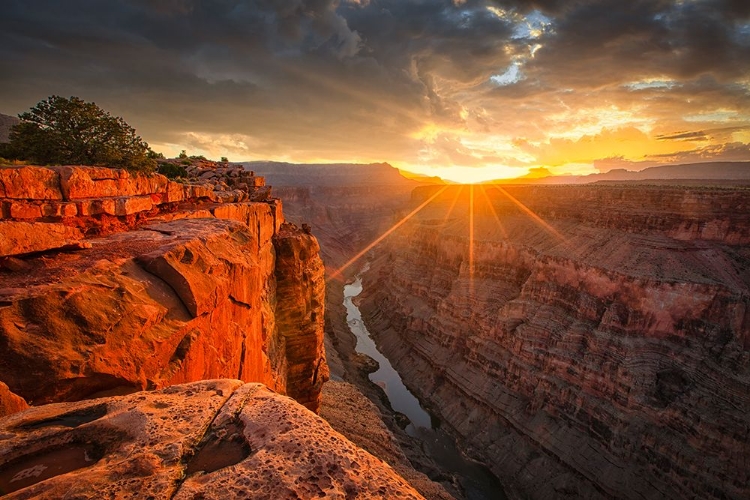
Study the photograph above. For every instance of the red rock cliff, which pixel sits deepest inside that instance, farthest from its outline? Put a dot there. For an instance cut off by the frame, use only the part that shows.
(168, 283)
(601, 350)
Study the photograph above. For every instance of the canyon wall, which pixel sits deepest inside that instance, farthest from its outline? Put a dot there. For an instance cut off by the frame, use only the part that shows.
(345, 219)
(587, 342)
(112, 282)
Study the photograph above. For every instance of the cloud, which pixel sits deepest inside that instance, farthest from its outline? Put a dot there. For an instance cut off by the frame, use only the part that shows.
(681, 136)
(719, 152)
(512, 82)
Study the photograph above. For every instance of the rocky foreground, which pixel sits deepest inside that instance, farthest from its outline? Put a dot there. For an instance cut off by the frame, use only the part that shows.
(215, 439)
(587, 342)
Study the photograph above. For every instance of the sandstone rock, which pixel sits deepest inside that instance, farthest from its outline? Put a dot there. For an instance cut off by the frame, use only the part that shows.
(29, 183)
(202, 270)
(25, 210)
(26, 237)
(349, 412)
(102, 322)
(178, 301)
(253, 215)
(200, 190)
(294, 455)
(211, 439)
(133, 205)
(175, 192)
(9, 402)
(300, 284)
(79, 182)
(57, 209)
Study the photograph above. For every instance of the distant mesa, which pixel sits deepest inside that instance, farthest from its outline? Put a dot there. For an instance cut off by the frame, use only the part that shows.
(6, 122)
(329, 174)
(714, 171)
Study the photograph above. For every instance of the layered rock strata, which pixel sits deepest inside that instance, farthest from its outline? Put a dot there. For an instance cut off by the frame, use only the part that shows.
(73, 202)
(587, 342)
(180, 292)
(214, 439)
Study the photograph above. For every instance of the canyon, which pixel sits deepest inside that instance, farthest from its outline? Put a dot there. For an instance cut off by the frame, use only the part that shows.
(581, 341)
(584, 341)
(130, 305)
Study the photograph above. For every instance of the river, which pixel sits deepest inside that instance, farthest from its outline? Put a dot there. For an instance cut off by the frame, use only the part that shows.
(476, 480)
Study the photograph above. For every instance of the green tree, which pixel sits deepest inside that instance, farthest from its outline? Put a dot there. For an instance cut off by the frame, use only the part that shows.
(72, 131)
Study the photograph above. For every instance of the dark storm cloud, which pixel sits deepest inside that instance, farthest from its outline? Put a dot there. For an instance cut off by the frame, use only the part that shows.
(681, 136)
(600, 43)
(700, 134)
(340, 78)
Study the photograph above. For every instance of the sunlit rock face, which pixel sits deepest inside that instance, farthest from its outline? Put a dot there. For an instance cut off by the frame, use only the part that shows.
(9, 402)
(213, 439)
(299, 315)
(187, 288)
(591, 342)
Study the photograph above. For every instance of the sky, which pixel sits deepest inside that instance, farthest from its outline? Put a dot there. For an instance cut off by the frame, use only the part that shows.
(467, 90)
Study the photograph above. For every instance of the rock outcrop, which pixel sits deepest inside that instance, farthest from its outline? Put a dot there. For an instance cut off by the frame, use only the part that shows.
(179, 285)
(9, 402)
(300, 287)
(213, 439)
(44, 208)
(349, 412)
(587, 342)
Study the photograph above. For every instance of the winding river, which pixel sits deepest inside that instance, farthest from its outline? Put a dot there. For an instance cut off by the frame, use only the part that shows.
(476, 480)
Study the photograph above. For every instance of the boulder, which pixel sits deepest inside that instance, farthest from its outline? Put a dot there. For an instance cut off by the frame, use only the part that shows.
(25, 237)
(29, 183)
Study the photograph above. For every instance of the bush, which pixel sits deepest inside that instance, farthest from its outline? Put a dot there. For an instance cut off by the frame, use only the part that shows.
(71, 131)
(172, 171)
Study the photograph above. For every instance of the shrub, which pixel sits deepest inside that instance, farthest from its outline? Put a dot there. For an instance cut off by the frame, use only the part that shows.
(72, 131)
(172, 171)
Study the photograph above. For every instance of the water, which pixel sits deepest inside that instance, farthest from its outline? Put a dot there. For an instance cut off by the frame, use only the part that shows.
(386, 376)
(476, 480)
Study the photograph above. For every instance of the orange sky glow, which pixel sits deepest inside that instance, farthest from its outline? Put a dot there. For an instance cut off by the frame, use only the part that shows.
(468, 90)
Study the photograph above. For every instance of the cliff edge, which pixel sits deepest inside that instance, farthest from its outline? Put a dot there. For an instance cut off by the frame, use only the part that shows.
(112, 283)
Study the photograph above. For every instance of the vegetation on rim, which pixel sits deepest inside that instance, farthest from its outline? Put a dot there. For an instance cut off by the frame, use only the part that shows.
(61, 130)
